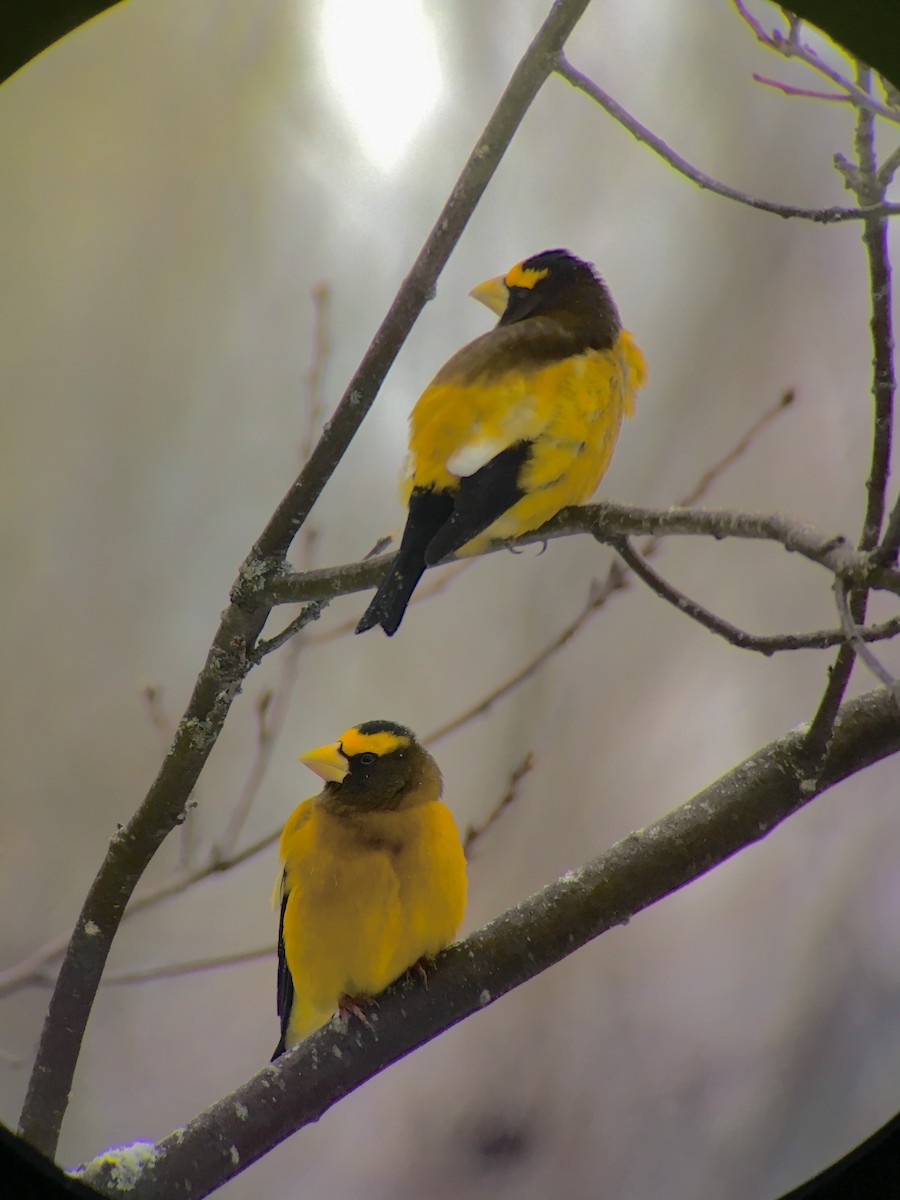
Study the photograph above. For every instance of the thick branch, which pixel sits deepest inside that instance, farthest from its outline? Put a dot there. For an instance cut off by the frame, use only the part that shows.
(229, 659)
(734, 812)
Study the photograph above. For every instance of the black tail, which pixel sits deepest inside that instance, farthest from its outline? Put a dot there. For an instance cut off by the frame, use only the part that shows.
(428, 510)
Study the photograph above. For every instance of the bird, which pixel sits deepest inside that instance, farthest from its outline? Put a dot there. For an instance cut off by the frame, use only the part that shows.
(517, 424)
(373, 876)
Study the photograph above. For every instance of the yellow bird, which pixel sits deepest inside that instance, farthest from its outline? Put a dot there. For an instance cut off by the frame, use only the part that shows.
(373, 876)
(518, 424)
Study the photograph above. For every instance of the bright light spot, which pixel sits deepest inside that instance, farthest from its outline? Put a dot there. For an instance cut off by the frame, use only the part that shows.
(382, 62)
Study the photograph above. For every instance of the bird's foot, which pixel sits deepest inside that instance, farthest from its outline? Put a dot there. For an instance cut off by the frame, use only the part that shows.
(421, 967)
(514, 549)
(350, 1006)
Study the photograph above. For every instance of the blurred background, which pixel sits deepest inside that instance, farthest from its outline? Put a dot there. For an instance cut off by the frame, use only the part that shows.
(177, 180)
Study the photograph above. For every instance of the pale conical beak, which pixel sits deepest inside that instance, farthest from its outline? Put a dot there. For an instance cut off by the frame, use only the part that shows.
(493, 293)
(328, 762)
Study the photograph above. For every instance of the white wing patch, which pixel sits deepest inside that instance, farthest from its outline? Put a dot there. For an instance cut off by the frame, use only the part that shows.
(519, 424)
(472, 457)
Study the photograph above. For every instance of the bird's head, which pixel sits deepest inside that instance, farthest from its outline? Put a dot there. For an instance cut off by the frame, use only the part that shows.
(553, 283)
(375, 767)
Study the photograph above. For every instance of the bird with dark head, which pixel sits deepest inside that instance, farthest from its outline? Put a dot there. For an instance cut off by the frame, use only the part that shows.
(518, 424)
(373, 876)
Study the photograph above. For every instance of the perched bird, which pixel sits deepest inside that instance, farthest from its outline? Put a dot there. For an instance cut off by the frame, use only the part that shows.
(373, 876)
(518, 424)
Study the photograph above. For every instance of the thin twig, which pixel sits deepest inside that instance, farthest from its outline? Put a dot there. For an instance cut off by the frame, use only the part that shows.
(875, 239)
(597, 597)
(703, 485)
(791, 46)
(273, 705)
(310, 612)
(189, 967)
(855, 637)
(509, 797)
(889, 168)
(761, 643)
(808, 93)
(34, 969)
(824, 216)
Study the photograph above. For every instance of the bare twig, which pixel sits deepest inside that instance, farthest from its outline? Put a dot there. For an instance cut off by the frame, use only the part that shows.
(889, 168)
(266, 730)
(228, 661)
(762, 644)
(823, 216)
(273, 705)
(188, 967)
(474, 832)
(875, 239)
(739, 449)
(162, 724)
(310, 612)
(791, 46)
(808, 93)
(597, 597)
(736, 811)
(855, 637)
(34, 970)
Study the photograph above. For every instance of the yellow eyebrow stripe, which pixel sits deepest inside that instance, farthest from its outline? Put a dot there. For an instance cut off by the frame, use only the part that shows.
(354, 742)
(525, 277)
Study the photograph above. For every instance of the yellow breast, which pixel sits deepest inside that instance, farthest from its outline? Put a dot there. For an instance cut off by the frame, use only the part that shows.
(367, 896)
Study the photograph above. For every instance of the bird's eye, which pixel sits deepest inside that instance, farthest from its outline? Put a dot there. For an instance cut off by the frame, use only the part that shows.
(367, 758)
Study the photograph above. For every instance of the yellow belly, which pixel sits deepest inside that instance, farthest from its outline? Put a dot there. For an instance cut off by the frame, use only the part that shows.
(366, 899)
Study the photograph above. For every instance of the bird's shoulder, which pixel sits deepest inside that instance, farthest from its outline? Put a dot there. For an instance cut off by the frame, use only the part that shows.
(302, 815)
(521, 348)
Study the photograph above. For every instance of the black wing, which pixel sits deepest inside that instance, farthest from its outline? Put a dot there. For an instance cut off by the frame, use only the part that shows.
(428, 512)
(480, 500)
(285, 998)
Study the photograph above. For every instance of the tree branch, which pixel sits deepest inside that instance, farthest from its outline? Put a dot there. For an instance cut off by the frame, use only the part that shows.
(869, 191)
(823, 216)
(606, 522)
(228, 661)
(734, 812)
(856, 640)
(791, 47)
(762, 644)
